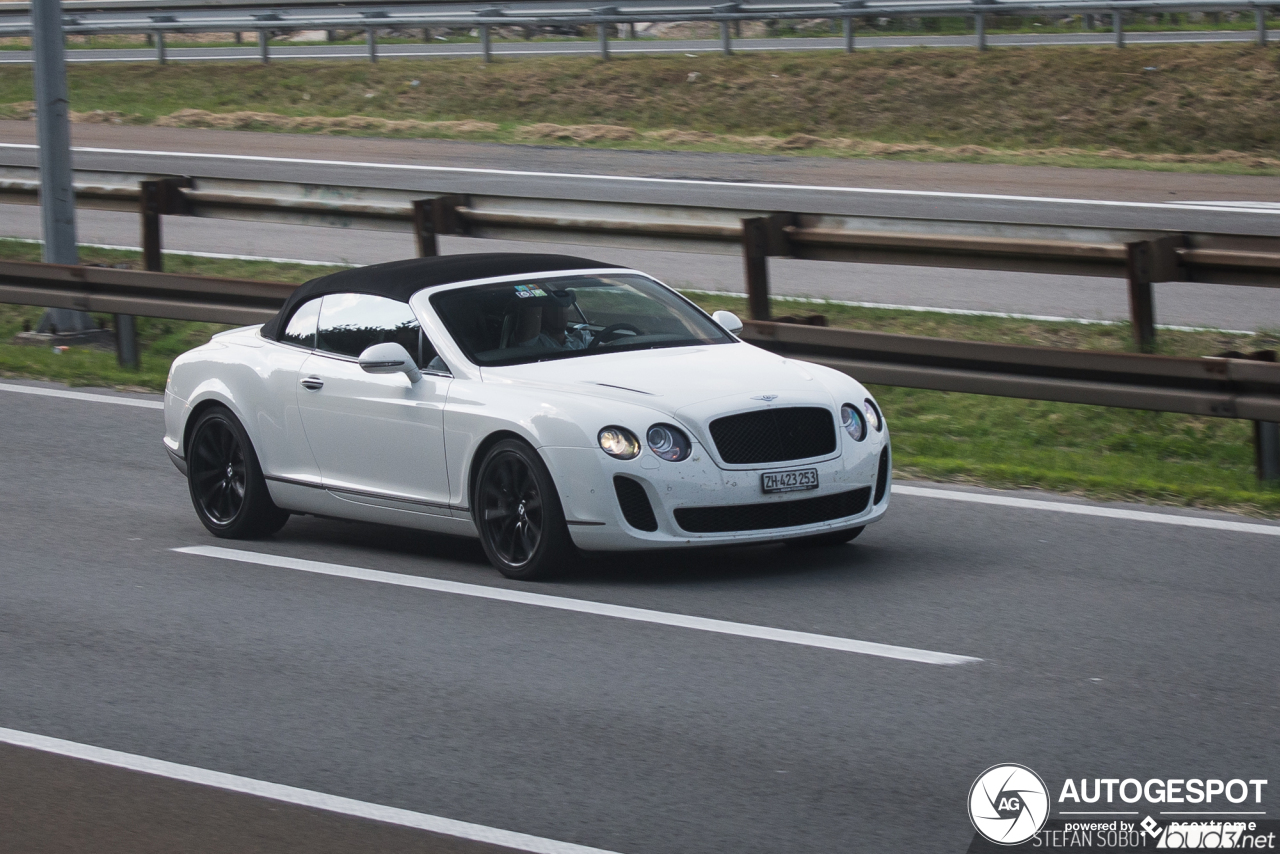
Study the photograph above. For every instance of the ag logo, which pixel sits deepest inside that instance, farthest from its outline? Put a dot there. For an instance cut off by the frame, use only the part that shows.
(1008, 804)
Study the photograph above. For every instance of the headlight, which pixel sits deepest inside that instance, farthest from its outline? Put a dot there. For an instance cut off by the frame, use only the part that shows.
(668, 442)
(853, 422)
(619, 442)
(873, 415)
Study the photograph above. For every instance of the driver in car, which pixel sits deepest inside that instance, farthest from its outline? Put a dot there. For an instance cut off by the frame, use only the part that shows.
(554, 332)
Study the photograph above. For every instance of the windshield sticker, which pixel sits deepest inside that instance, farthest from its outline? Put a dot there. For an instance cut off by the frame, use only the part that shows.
(525, 291)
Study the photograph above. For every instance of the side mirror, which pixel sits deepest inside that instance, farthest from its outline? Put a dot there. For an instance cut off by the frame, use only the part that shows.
(728, 320)
(389, 358)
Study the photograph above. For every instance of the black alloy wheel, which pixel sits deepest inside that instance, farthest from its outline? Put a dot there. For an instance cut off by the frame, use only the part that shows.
(227, 487)
(518, 514)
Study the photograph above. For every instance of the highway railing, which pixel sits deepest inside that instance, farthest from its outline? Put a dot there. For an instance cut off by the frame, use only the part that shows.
(1140, 257)
(1218, 387)
(175, 16)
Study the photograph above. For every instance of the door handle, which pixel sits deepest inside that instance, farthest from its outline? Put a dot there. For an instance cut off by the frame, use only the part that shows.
(313, 383)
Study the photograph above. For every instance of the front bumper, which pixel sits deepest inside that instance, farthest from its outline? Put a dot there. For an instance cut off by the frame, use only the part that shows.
(585, 478)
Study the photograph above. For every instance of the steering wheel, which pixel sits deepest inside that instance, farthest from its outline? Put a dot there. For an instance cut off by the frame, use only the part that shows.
(610, 332)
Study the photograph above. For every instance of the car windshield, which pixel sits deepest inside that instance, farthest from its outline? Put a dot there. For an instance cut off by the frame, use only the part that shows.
(514, 323)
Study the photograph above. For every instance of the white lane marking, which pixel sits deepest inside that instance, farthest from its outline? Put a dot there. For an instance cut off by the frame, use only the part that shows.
(583, 606)
(1088, 510)
(79, 395)
(686, 182)
(293, 795)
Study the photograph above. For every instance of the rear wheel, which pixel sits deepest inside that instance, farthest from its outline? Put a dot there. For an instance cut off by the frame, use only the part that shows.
(226, 483)
(831, 538)
(517, 511)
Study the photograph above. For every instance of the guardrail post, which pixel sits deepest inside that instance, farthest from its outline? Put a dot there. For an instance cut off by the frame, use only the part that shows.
(980, 30)
(263, 51)
(762, 236)
(602, 35)
(848, 35)
(371, 40)
(726, 41)
(160, 57)
(1086, 21)
(127, 341)
(484, 42)
(1266, 448)
(1117, 24)
(755, 261)
(424, 228)
(1149, 261)
(1260, 18)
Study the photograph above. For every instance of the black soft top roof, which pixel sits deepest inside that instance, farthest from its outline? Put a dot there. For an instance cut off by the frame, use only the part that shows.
(399, 280)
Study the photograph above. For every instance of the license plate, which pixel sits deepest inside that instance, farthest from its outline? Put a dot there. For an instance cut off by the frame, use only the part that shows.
(789, 481)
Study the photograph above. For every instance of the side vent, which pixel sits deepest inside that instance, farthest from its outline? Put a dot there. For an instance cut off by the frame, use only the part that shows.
(882, 475)
(635, 505)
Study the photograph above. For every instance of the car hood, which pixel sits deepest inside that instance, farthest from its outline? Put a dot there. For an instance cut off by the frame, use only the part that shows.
(676, 379)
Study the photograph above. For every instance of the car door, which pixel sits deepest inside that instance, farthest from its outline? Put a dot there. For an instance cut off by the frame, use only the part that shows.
(376, 437)
(284, 452)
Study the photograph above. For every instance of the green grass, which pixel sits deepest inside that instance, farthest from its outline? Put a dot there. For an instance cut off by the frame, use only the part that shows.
(1089, 450)
(1076, 106)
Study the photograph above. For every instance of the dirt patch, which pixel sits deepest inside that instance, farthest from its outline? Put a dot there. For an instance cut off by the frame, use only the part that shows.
(577, 133)
(250, 120)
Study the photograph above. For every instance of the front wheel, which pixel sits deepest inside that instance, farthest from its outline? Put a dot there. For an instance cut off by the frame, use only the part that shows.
(227, 487)
(518, 513)
(831, 538)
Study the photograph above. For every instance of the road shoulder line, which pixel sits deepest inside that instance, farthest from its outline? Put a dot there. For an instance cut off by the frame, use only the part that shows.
(1088, 510)
(80, 395)
(293, 795)
(585, 606)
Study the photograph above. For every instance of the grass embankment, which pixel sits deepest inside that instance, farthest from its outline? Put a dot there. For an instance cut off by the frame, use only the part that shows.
(997, 441)
(1202, 107)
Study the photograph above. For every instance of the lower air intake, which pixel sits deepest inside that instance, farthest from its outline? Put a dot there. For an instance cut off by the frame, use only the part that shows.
(635, 505)
(882, 475)
(774, 514)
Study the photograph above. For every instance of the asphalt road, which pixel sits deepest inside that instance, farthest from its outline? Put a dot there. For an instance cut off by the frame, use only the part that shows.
(1119, 198)
(511, 49)
(1110, 648)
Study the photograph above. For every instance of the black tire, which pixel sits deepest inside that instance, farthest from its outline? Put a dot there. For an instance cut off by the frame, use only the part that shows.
(517, 512)
(831, 538)
(226, 483)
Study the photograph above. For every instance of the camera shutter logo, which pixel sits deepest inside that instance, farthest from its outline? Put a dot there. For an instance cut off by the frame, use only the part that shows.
(1008, 804)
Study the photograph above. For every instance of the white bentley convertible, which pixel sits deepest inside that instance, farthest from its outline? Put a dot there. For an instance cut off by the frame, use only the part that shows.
(543, 403)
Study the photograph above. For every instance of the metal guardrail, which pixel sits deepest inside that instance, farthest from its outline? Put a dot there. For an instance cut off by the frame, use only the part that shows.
(1223, 388)
(1140, 257)
(725, 14)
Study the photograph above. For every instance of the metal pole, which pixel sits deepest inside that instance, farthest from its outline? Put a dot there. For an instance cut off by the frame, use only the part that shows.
(262, 47)
(848, 35)
(160, 58)
(484, 42)
(1266, 447)
(1260, 16)
(602, 35)
(372, 41)
(57, 197)
(726, 43)
(980, 28)
(631, 30)
(1117, 23)
(1086, 22)
(57, 193)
